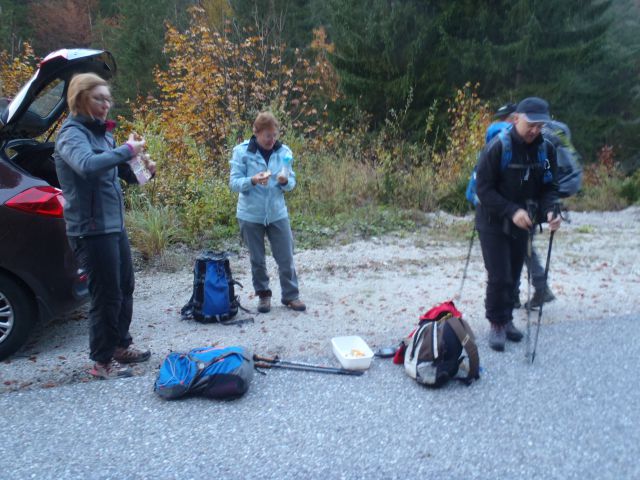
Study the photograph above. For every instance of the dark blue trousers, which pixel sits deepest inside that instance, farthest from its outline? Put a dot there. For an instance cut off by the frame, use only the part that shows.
(107, 261)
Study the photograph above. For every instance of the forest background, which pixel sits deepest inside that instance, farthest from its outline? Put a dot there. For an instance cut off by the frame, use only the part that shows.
(384, 102)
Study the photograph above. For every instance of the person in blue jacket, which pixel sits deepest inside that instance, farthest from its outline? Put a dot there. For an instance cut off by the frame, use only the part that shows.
(89, 167)
(261, 172)
(504, 119)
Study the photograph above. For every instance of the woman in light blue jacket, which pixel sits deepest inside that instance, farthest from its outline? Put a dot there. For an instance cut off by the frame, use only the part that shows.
(261, 172)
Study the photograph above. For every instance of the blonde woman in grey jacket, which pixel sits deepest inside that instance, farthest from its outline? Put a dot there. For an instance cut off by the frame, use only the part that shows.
(261, 172)
(89, 167)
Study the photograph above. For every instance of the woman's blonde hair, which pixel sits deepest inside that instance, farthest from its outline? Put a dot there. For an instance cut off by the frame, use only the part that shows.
(79, 88)
(265, 120)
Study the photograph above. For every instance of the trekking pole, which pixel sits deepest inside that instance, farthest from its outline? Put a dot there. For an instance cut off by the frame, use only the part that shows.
(531, 211)
(337, 371)
(267, 362)
(466, 264)
(556, 211)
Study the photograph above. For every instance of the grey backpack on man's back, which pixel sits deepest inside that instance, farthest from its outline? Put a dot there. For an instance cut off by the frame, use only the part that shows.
(569, 167)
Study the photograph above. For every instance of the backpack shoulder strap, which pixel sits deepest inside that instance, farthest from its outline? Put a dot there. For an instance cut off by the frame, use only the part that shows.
(507, 153)
(465, 335)
(543, 159)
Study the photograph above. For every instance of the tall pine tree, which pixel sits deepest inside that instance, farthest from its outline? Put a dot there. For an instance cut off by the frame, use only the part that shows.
(138, 40)
(512, 48)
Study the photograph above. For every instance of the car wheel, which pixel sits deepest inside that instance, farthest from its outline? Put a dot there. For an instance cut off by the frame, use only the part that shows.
(17, 316)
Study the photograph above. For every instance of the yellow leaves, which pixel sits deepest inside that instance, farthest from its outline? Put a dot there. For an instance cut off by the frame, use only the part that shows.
(14, 72)
(209, 94)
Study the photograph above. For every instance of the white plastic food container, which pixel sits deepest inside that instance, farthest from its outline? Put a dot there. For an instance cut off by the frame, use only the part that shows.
(352, 352)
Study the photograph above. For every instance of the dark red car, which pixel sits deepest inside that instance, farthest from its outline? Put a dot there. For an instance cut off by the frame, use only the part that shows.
(39, 277)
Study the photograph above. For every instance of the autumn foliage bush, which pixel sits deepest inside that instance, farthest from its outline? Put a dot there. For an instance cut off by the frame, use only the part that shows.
(348, 177)
(214, 86)
(14, 72)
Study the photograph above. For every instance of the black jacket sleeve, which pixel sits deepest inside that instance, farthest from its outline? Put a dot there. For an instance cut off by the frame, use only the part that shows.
(126, 173)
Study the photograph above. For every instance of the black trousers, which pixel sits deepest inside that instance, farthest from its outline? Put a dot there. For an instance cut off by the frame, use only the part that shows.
(107, 261)
(503, 259)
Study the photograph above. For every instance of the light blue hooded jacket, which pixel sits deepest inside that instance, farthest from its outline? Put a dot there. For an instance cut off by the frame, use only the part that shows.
(260, 203)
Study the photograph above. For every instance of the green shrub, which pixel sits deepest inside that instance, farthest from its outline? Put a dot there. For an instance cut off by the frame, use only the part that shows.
(151, 228)
(630, 188)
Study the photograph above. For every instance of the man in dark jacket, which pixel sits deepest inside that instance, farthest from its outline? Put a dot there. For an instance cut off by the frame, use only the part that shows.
(517, 189)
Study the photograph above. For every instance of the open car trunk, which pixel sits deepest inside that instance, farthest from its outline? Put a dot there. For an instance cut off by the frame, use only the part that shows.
(35, 158)
(28, 121)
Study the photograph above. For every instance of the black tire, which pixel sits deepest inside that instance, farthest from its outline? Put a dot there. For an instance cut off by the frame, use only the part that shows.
(17, 316)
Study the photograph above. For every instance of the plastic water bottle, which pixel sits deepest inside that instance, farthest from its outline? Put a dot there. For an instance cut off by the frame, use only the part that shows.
(286, 165)
(142, 174)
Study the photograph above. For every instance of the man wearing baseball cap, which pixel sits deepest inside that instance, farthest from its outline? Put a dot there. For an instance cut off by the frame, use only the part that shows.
(513, 198)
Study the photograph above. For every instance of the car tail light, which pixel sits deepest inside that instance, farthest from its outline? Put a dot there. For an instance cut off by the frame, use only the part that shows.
(40, 201)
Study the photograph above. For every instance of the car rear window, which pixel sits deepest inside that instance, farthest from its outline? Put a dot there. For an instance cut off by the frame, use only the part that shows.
(48, 98)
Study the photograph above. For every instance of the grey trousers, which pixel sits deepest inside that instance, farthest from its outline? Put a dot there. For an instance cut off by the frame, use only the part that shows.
(281, 240)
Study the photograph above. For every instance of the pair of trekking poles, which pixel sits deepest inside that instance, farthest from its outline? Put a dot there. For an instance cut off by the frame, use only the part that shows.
(276, 362)
(531, 211)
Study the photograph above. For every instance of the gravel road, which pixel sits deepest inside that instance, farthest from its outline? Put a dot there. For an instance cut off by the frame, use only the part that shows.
(573, 414)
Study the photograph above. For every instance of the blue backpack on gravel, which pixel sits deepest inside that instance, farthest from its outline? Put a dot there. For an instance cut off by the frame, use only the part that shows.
(213, 298)
(212, 372)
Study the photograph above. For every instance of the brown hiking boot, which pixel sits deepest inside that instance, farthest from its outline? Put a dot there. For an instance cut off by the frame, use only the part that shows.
(131, 355)
(541, 296)
(264, 304)
(110, 370)
(297, 305)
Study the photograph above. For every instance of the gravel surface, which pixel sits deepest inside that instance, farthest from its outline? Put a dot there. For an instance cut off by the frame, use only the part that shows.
(375, 288)
(573, 414)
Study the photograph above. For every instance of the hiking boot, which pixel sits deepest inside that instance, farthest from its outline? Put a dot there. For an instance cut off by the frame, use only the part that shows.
(109, 370)
(131, 355)
(512, 333)
(497, 337)
(264, 304)
(540, 297)
(297, 305)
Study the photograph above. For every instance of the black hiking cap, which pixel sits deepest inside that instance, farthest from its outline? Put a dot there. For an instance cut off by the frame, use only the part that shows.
(505, 110)
(535, 108)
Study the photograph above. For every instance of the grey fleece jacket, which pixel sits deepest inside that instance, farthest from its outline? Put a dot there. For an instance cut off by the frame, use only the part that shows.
(89, 167)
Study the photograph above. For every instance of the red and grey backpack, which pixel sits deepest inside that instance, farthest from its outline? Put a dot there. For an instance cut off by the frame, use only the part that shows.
(433, 352)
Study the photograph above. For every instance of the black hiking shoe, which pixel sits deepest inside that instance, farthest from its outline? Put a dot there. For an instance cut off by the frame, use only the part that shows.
(497, 337)
(539, 297)
(512, 333)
